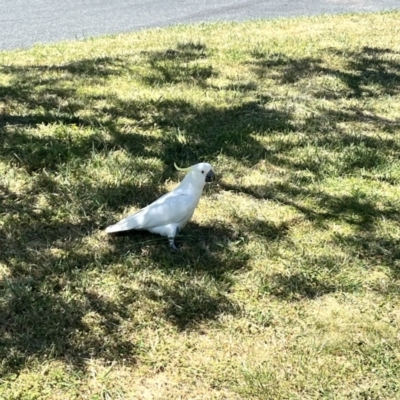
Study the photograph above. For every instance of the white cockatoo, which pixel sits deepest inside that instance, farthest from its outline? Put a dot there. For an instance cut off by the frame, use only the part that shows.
(167, 215)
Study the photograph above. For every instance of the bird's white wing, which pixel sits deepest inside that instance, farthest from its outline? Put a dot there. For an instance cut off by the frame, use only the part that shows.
(171, 208)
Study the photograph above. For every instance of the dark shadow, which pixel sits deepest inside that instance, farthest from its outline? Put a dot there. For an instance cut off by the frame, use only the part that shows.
(303, 285)
(357, 209)
(37, 320)
(265, 229)
(298, 286)
(93, 67)
(376, 249)
(47, 311)
(207, 257)
(241, 87)
(365, 68)
(187, 304)
(180, 65)
(210, 129)
(286, 70)
(34, 153)
(200, 249)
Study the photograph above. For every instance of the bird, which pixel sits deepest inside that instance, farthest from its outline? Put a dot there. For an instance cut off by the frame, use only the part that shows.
(168, 214)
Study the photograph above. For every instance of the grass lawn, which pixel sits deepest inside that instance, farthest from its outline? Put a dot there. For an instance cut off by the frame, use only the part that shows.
(287, 282)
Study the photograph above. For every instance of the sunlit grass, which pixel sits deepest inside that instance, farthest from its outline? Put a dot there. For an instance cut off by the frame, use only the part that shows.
(286, 285)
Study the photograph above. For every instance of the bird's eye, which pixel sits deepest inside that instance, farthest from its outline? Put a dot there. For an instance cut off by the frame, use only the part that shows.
(202, 172)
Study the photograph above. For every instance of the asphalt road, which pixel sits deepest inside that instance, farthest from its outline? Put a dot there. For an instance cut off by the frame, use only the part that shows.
(24, 23)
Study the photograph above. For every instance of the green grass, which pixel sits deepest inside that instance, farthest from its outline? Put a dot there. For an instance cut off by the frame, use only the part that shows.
(286, 285)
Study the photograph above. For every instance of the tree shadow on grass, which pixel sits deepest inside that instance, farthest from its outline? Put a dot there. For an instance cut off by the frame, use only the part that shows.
(187, 304)
(314, 277)
(300, 285)
(44, 94)
(189, 131)
(357, 208)
(311, 277)
(51, 307)
(213, 250)
(38, 322)
(202, 270)
(371, 246)
(48, 89)
(184, 64)
(185, 131)
(369, 71)
(283, 68)
(208, 131)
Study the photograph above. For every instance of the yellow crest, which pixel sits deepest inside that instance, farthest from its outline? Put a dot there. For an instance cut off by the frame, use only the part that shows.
(183, 169)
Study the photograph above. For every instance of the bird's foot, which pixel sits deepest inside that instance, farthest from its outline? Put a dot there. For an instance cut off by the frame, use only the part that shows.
(172, 244)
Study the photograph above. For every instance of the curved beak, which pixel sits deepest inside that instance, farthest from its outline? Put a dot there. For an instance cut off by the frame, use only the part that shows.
(210, 176)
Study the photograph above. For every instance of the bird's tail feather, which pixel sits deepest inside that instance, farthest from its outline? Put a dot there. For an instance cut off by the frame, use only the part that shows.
(121, 226)
(114, 228)
(134, 221)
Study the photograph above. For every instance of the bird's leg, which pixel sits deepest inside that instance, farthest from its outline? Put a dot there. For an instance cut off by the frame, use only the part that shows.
(171, 239)
(172, 243)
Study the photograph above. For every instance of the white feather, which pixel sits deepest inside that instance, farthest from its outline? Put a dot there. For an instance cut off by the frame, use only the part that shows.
(171, 211)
